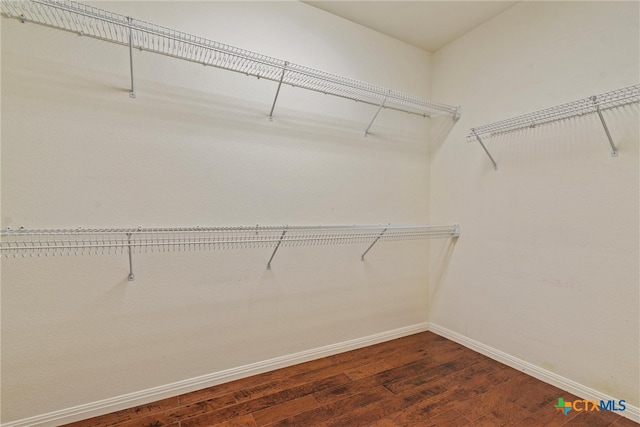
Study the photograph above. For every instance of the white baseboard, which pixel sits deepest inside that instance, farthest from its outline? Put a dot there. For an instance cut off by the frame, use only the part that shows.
(143, 397)
(632, 412)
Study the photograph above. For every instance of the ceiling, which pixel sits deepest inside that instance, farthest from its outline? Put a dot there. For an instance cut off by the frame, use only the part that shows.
(425, 24)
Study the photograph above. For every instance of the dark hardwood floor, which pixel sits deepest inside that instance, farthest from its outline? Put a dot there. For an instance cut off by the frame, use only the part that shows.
(420, 380)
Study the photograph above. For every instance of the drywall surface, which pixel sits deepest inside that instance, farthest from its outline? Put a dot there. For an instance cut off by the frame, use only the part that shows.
(195, 148)
(546, 269)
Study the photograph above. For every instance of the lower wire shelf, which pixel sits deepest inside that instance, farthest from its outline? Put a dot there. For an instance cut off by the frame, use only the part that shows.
(54, 242)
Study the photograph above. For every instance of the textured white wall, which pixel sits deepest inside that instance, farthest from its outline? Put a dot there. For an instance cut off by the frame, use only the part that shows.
(195, 148)
(547, 267)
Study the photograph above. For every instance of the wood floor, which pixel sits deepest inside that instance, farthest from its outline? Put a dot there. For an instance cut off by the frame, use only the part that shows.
(420, 380)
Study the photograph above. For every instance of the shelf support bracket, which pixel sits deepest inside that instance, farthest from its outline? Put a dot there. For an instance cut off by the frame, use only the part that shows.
(132, 92)
(276, 249)
(131, 275)
(614, 150)
(284, 69)
(495, 165)
(456, 114)
(371, 245)
(366, 132)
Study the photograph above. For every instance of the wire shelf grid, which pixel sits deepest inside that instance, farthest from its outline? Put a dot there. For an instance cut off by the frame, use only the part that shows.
(53, 242)
(112, 27)
(593, 104)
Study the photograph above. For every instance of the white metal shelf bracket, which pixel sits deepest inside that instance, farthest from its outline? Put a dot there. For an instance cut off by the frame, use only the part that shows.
(366, 132)
(132, 93)
(131, 276)
(495, 165)
(284, 69)
(373, 243)
(614, 150)
(457, 114)
(276, 249)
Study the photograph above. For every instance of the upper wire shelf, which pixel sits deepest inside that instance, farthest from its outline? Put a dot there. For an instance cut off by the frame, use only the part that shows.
(112, 27)
(593, 104)
(52, 242)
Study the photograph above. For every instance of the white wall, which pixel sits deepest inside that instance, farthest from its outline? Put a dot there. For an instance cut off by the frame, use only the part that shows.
(547, 267)
(195, 148)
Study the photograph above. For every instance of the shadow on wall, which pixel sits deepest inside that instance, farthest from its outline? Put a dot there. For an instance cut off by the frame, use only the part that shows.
(626, 121)
(440, 266)
(106, 94)
(441, 127)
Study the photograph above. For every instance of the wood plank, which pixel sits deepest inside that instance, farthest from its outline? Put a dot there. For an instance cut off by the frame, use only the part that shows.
(591, 419)
(180, 412)
(369, 369)
(448, 418)
(378, 411)
(428, 375)
(284, 410)
(295, 385)
(385, 422)
(452, 391)
(625, 422)
(336, 408)
(355, 387)
(244, 421)
(258, 404)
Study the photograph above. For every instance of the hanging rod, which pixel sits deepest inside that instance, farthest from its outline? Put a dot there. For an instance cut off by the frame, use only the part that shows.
(593, 104)
(53, 242)
(108, 26)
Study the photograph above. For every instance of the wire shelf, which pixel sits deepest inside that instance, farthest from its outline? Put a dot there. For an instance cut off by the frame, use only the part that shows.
(106, 241)
(52, 242)
(112, 27)
(595, 104)
(590, 105)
